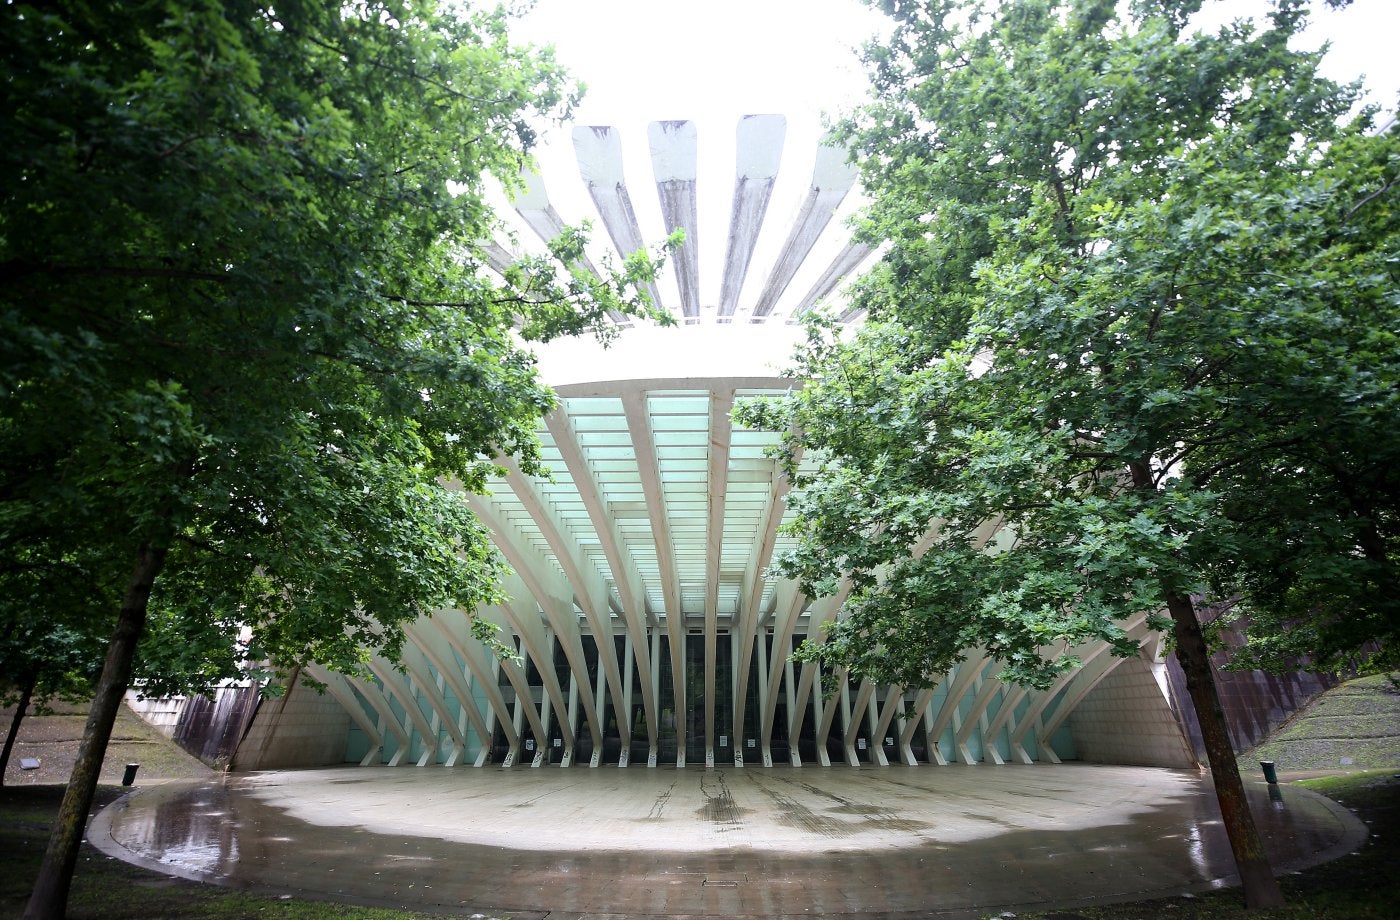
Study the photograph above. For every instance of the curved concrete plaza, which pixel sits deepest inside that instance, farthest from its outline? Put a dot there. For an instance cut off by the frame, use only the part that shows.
(892, 842)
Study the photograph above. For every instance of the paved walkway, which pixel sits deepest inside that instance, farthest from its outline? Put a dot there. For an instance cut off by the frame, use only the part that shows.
(878, 842)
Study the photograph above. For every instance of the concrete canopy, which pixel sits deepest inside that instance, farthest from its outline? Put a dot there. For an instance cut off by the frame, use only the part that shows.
(647, 625)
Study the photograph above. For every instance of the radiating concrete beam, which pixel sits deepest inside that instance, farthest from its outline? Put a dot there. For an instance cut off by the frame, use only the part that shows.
(845, 262)
(639, 427)
(790, 602)
(832, 178)
(551, 592)
(624, 571)
(599, 151)
(760, 152)
(673, 161)
(588, 592)
(721, 429)
(751, 595)
(446, 665)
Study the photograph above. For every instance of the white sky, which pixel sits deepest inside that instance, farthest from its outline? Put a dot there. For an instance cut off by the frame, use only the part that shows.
(665, 59)
(713, 61)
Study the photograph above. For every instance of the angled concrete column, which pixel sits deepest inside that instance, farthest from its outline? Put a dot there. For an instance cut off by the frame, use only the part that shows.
(417, 665)
(717, 476)
(395, 686)
(379, 702)
(854, 715)
(446, 665)
(620, 563)
(639, 426)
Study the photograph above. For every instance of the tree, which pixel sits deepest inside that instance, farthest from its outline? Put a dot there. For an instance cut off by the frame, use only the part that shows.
(43, 662)
(1139, 311)
(246, 330)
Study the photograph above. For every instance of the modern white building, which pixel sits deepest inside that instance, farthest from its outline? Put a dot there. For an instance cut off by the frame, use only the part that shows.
(649, 632)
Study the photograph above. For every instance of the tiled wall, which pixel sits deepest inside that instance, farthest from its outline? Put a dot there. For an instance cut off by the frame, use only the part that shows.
(1126, 719)
(163, 713)
(301, 729)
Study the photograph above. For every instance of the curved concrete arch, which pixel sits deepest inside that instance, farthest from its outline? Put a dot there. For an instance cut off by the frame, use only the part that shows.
(485, 679)
(417, 666)
(453, 674)
(790, 602)
(377, 701)
(535, 643)
(893, 705)
(824, 725)
(550, 591)
(750, 598)
(965, 674)
(989, 690)
(591, 602)
(848, 741)
(923, 703)
(822, 610)
(721, 401)
(394, 686)
(1039, 701)
(639, 427)
(524, 701)
(479, 670)
(624, 574)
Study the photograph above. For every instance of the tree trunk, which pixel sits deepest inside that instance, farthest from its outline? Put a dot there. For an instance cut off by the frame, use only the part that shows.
(49, 899)
(25, 693)
(1261, 889)
(1256, 876)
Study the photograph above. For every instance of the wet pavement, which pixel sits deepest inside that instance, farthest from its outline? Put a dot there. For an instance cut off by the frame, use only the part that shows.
(958, 841)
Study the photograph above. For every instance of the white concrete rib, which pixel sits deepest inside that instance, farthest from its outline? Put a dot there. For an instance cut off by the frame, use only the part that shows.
(673, 161)
(721, 429)
(751, 595)
(1085, 680)
(551, 592)
(599, 151)
(760, 152)
(845, 262)
(588, 592)
(639, 427)
(447, 667)
(832, 178)
(624, 571)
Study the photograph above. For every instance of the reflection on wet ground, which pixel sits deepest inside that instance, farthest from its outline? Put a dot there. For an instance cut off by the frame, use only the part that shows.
(926, 841)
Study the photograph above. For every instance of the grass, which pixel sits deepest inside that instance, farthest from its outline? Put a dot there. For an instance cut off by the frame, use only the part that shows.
(53, 738)
(1354, 722)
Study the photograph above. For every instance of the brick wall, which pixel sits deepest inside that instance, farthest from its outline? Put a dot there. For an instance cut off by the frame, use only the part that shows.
(1255, 703)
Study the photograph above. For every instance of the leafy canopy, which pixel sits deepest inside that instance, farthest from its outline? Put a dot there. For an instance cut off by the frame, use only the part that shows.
(245, 319)
(1137, 317)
